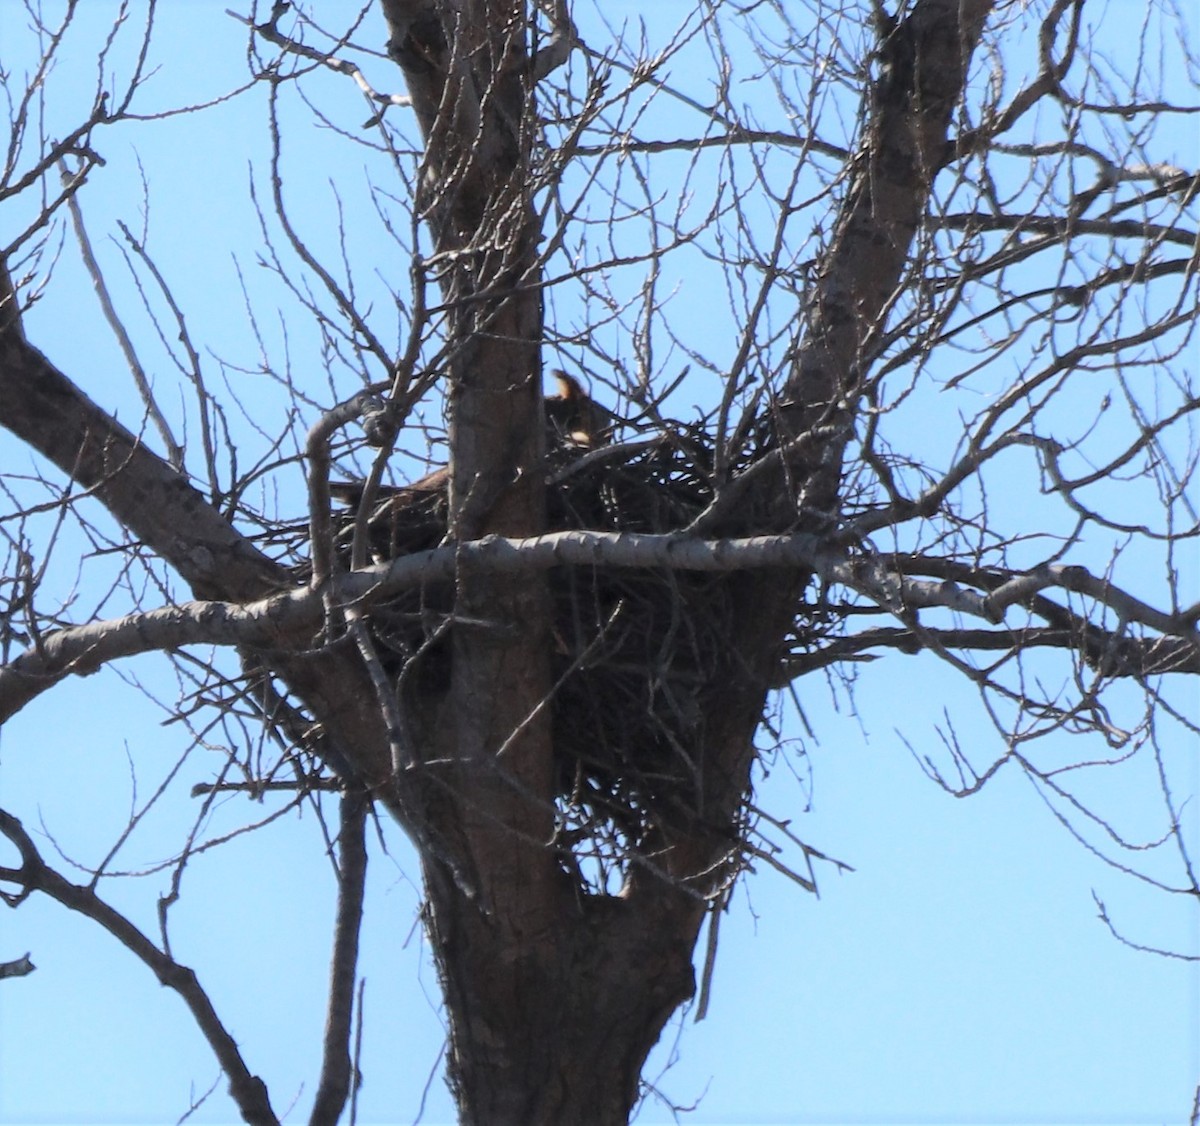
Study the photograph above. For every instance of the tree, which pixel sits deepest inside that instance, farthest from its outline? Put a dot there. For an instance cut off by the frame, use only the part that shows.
(946, 280)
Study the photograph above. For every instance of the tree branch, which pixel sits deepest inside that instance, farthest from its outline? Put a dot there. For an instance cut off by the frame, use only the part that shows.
(247, 1091)
(156, 503)
(337, 1070)
(18, 967)
(286, 621)
(271, 33)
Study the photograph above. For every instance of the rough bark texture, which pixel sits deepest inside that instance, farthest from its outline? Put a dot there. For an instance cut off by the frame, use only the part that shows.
(923, 62)
(554, 998)
(497, 916)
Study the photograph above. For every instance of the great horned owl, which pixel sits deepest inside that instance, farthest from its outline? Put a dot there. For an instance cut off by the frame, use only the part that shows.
(573, 416)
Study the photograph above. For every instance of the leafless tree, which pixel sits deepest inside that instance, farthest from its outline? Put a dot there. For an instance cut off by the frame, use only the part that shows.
(951, 257)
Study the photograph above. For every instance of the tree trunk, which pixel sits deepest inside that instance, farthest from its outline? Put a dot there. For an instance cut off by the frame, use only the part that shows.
(556, 985)
(555, 996)
(555, 1025)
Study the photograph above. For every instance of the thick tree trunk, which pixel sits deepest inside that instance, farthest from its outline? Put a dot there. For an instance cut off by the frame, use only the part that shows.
(554, 1026)
(555, 997)
(555, 994)
(496, 895)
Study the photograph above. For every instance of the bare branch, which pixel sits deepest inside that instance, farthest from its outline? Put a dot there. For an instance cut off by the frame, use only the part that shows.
(337, 1072)
(269, 30)
(285, 620)
(19, 967)
(247, 1090)
(157, 503)
(145, 392)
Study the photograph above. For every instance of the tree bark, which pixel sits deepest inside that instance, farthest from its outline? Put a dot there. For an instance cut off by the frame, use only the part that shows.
(160, 508)
(554, 996)
(560, 1032)
(554, 999)
(497, 916)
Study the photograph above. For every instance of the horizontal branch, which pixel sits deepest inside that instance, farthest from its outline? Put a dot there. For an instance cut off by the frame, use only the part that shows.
(1138, 656)
(1081, 581)
(287, 622)
(735, 136)
(1059, 227)
(18, 967)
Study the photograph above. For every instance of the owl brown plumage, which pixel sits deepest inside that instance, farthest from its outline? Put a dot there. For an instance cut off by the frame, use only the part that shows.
(574, 416)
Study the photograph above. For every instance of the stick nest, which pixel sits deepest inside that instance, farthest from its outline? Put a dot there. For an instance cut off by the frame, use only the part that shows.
(634, 651)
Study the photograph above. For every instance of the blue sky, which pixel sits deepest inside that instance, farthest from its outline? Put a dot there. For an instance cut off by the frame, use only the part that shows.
(958, 975)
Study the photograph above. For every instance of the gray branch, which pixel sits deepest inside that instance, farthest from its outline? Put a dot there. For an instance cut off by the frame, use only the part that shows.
(19, 967)
(246, 1089)
(288, 621)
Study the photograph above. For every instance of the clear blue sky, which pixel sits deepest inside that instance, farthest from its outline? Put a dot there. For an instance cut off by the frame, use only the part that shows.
(958, 975)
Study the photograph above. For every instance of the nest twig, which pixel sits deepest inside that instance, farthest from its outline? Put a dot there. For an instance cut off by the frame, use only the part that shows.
(633, 650)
